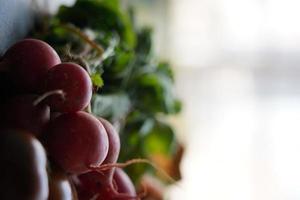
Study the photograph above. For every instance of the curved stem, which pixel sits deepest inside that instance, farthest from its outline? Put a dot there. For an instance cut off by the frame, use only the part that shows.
(83, 36)
(108, 166)
(69, 57)
(47, 94)
(88, 109)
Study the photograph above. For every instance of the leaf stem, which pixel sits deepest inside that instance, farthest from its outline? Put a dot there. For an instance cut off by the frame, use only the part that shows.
(83, 36)
(47, 94)
(108, 166)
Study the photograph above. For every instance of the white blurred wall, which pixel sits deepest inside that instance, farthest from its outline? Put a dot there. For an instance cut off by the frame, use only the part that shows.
(52, 5)
(238, 72)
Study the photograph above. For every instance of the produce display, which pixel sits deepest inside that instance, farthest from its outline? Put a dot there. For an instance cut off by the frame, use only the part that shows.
(84, 107)
(48, 118)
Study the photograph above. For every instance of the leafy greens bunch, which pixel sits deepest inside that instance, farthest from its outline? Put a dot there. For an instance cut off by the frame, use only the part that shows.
(132, 87)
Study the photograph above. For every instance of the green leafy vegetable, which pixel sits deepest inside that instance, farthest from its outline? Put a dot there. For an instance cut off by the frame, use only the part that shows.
(97, 80)
(137, 90)
(114, 106)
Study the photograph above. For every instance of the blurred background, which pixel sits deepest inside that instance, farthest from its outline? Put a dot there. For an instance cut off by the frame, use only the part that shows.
(237, 72)
(237, 67)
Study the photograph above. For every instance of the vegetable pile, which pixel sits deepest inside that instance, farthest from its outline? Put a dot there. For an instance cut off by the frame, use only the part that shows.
(45, 111)
(65, 113)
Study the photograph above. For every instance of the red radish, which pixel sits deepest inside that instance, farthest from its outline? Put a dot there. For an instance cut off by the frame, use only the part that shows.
(27, 61)
(7, 90)
(76, 141)
(74, 81)
(54, 115)
(94, 185)
(107, 184)
(114, 146)
(123, 183)
(91, 180)
(23, 166)
(60, 187)
(20, 112)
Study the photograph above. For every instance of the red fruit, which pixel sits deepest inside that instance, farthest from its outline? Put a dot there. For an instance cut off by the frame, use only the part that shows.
(114, 146)
(76, 141)
(123, 183)
(60, 187)
(27, 62)
(100, 187)
(74, 81)
(23, 166)
(21, 113)
(109, 184)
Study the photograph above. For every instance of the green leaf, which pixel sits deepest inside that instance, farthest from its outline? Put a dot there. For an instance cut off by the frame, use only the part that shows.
(177, 106)
(160, 140)
(97, 80)
(118, 65)
(114, 106)
(155, 93)
(144, 41)
(165, 69)
(103, 16)
(115, 4)
(112, 3)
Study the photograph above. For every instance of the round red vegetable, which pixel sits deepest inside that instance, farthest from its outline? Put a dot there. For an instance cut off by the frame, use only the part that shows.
(74, 81)
(76, 141)
(60, 187)
(23, 166)
(27, 61)
(95, 185)
(123, 183)
(20, 112)
(114, 146)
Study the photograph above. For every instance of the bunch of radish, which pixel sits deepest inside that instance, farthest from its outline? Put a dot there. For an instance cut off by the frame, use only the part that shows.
(51, 147)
